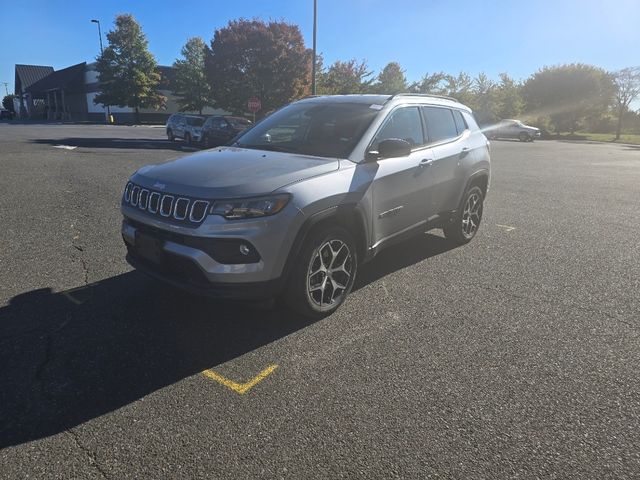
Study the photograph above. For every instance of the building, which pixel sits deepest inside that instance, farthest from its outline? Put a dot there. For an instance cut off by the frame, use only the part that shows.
(68, 94)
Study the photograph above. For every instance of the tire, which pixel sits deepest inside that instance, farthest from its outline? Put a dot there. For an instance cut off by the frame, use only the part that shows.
(311, 291)
(464, 225)
(524, 137)
(205, 141)
(187, 138)
(170, 135)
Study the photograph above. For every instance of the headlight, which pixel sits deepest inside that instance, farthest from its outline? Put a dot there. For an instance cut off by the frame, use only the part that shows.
(250, 207)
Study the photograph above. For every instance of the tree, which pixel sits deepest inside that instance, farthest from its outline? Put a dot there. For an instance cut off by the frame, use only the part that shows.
(484, 101)
(127, 70)
(252, 58)
(391, 80)
(190, 84)
(627, 89)
(568, 94)
(434, 84)
(345, 77)
(460, 87)
(7, 103)
(509, 103)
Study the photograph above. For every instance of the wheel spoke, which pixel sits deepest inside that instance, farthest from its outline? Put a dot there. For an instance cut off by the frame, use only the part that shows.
(329, 273)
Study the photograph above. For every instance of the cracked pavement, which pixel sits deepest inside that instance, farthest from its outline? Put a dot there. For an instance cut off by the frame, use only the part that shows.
(516, 356)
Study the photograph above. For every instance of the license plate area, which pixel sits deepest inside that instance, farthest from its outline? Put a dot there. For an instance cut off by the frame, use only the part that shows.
(148, 247)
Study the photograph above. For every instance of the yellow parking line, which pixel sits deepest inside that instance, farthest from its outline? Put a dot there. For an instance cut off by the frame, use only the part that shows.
(240, 388)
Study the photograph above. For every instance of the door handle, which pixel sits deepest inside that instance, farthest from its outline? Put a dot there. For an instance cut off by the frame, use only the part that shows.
(426, 162)
(464, 152)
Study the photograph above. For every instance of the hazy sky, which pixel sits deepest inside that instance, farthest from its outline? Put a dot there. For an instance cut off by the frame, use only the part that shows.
(518, 37)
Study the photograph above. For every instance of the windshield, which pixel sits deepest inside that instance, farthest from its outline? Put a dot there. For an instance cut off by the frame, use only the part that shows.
(320, 129)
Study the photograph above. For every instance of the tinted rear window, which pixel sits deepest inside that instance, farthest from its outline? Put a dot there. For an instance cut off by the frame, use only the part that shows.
(460, 123)
(440, 123)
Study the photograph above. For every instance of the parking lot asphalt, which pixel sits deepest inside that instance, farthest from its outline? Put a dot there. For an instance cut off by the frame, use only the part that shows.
(516, 356)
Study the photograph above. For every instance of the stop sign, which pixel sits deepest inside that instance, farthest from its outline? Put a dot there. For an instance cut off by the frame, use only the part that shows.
(254, 104)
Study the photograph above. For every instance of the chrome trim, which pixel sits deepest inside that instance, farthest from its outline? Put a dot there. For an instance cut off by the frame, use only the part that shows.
(175, 209)
(204, 213)
(127, 192)
(150, 197)
(134, 195)
(140, 206)
(170, 205)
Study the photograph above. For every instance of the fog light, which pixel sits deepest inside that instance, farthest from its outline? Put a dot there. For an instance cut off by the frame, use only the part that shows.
(244, 250)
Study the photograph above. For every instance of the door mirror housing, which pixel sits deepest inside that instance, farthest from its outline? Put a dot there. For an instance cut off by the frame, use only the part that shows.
(394, 147)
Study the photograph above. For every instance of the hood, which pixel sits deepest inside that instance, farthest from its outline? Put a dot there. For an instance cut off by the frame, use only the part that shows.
(230, 172)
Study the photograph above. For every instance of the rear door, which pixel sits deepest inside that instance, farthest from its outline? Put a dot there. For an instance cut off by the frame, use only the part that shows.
(446, 136)
(401, 185)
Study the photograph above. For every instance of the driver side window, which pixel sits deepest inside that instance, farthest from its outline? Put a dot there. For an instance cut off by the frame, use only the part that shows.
(405, 124)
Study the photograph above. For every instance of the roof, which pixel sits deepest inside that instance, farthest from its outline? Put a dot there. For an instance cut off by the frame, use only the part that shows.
(27, 75)
(64, 78)
(383, 99)
(363, 98)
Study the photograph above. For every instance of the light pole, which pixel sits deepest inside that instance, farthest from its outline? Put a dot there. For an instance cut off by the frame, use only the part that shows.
(6, 90)
(102, 53)
(313, 66)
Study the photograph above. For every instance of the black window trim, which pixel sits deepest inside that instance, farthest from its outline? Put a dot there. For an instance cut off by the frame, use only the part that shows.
(397, 107)
(449, 140)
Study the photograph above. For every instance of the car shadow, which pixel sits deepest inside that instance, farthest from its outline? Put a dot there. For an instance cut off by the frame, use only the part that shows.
(120, 143)
(68, 357)
(402, 255)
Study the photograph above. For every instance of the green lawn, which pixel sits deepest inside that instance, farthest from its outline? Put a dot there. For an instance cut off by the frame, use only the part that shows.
(605, 137)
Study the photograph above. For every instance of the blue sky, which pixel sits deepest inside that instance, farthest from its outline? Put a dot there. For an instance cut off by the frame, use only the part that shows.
(518, 37)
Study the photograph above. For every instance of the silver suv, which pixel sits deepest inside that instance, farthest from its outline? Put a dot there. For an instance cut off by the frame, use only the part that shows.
(302, 198)
(186, 127)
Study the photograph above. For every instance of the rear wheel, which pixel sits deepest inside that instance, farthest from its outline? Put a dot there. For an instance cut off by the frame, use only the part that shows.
(466, 222)
(324, 273)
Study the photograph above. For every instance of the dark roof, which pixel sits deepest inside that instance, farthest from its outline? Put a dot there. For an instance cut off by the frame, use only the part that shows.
(69, 77)
(27, 75)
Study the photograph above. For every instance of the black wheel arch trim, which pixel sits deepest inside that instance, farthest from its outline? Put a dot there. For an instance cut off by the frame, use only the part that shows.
(340, 213)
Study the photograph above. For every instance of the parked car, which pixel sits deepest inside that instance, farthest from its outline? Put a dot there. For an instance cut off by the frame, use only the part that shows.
(5, 114)
(513, 129)
(185, 127)
(298, 202)
(219, 130)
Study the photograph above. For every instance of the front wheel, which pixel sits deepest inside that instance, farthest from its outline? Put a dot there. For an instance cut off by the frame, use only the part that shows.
(524, 137)
(465, 223)
(323, 274)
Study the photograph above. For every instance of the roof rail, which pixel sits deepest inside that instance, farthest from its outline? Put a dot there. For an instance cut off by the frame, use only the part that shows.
(409, 94)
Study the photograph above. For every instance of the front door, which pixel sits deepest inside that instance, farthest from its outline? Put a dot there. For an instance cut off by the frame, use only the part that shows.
(400, 186)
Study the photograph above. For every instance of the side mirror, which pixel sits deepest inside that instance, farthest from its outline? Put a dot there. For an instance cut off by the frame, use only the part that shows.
(394, 147)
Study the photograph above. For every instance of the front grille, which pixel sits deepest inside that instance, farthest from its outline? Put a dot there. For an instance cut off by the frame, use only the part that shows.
(177, 209)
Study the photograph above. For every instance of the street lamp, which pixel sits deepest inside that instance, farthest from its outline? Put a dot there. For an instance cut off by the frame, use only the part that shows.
(313, 66)
(102, 53)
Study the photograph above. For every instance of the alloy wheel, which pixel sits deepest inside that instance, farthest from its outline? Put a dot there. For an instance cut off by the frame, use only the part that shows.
(471, 215)
(329, 274)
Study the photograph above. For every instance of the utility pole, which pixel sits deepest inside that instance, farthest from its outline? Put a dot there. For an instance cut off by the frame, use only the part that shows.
(6, 90)
(313, 66)
(102, 53)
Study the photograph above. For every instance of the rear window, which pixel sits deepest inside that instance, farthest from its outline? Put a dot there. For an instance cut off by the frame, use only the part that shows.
(440, 124)
(461, 125)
